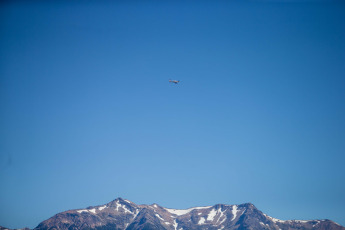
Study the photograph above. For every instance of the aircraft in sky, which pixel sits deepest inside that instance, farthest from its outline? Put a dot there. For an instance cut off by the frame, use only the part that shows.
(174, 81)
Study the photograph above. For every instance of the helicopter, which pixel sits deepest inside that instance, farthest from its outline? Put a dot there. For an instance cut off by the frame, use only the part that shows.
(174, 81)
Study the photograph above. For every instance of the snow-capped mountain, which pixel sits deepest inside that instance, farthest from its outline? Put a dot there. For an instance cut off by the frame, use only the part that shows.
(124, 214)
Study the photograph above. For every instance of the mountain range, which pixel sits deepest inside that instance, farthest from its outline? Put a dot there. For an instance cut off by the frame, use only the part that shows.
(122, 214)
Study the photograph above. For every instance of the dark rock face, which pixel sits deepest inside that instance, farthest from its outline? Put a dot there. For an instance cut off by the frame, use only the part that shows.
(122, 214)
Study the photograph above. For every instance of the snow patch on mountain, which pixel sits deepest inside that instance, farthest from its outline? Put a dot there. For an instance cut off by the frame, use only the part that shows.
(234, 212)
(220, 217)
(180, 212)
(101, 208)
(83, 210)
(175, 224)
(159, 217)
(93, 210)
(128, 201)
(211, 215)
(118, 205)
(302, 221)
(275, 220)
(201, 221)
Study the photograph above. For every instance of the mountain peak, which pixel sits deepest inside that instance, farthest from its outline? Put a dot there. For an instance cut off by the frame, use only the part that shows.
(122, 214)
(248, 205)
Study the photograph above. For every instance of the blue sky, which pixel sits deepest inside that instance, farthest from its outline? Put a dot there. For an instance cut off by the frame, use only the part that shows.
(88, 114)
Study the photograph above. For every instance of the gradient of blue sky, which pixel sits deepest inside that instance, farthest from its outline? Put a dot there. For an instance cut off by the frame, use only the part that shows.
(88, 114)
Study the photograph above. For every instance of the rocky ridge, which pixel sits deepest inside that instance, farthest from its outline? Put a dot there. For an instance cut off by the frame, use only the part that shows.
(121, 214)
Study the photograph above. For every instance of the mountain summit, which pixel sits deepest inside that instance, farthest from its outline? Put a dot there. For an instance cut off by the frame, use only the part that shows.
(121, 214)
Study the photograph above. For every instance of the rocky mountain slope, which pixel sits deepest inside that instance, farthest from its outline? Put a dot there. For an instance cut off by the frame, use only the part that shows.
(124, 214)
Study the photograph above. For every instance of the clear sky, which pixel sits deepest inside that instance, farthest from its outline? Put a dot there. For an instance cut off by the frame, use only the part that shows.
(88, 114)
